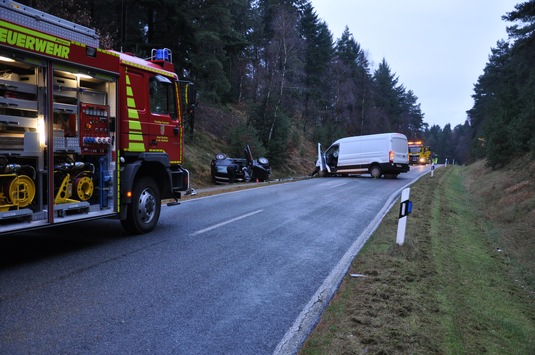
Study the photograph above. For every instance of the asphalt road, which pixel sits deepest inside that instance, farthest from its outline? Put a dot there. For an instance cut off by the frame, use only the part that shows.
(238, 273)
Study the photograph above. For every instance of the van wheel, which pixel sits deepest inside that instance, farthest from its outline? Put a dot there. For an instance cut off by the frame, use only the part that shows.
(376, 172)
(144, 211)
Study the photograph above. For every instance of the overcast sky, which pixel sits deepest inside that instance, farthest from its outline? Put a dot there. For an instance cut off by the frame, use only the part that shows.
(437, 48)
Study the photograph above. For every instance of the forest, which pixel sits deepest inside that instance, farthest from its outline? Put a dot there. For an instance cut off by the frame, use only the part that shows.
(278, 62)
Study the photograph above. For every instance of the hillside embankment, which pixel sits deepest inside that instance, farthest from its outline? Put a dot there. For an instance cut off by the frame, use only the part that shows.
(213, 126)
(463, 282)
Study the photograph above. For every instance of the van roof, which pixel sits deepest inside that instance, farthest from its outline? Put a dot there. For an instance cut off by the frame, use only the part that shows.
(370, 136)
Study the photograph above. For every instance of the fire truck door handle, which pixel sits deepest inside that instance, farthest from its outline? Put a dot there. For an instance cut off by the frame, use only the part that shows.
(176, 130)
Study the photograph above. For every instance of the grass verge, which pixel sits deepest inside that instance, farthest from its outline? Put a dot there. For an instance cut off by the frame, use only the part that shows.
(446, 290)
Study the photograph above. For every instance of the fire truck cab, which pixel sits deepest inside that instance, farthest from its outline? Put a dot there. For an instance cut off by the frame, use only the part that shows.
(85, 133)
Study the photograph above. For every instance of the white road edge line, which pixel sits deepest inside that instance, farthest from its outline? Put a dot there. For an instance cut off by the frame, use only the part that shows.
(310, 315)
(224, 223)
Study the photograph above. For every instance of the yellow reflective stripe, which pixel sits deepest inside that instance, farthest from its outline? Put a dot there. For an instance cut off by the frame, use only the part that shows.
(134, 136)
(153, 70)
(130, 102)
(34, 33)
(134, 125)
(132, 113)
(118, 172)
(138, 147)
(35, 41)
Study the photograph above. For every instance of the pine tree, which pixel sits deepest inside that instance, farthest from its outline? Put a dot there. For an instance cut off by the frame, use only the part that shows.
(318, 54)
(353, 85)
(412, 123)
(387, 99)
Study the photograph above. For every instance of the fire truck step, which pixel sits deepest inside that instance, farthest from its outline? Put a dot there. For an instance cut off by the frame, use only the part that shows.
(65, 209)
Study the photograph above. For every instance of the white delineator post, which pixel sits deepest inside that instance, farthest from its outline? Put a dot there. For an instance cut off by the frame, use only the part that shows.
(405, 208)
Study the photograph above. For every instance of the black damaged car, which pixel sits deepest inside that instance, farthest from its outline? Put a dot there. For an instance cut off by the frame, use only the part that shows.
(230, 170)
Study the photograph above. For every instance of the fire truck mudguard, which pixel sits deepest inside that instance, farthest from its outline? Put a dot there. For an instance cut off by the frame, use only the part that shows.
(151, 164)
(145, 182)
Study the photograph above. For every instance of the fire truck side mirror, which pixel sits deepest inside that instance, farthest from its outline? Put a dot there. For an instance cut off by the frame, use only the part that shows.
(111, 124)
(176, 130)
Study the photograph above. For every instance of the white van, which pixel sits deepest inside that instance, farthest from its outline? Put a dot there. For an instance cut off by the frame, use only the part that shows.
(377, 154)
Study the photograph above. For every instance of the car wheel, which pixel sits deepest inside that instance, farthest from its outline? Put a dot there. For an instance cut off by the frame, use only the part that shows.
(263, 161)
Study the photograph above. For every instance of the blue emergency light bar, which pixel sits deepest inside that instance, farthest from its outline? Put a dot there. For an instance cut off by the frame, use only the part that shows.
(162, 54)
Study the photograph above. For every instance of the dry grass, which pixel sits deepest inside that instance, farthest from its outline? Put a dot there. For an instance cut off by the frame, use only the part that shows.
(508, 197)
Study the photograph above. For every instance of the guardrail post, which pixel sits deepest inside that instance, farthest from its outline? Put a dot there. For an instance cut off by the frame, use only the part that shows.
(405, 208)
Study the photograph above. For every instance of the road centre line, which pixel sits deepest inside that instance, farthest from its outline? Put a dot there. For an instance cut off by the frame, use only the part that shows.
(224, 223)
(332, 187)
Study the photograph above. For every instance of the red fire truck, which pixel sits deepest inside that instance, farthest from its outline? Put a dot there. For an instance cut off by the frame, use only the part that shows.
(85, 133)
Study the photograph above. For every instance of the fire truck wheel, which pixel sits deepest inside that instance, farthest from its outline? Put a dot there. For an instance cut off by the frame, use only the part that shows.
(144, 211)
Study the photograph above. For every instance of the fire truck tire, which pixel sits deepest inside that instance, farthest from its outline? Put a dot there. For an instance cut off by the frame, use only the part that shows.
(144, 211)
